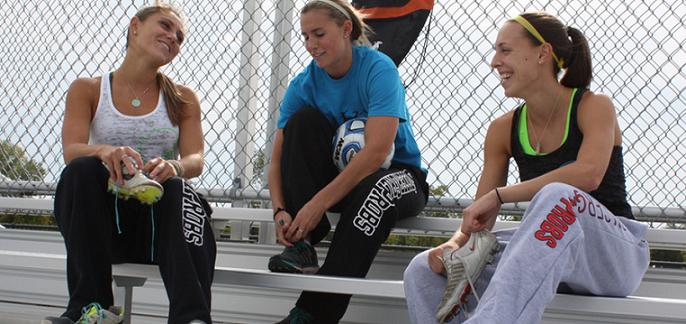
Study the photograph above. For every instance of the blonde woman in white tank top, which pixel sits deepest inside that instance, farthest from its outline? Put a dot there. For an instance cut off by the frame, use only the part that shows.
(137, 117)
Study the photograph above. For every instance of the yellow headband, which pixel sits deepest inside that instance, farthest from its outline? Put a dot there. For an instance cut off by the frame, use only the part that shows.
(528, 26)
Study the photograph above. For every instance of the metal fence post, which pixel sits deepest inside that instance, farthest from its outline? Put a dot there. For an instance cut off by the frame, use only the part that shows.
(280, 71)
(247, 105)
(277, 86)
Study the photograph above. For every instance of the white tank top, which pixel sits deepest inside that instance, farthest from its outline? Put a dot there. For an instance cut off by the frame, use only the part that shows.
(152, 134)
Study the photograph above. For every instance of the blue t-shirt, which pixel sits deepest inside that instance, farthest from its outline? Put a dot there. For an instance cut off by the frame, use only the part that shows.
(372, 87)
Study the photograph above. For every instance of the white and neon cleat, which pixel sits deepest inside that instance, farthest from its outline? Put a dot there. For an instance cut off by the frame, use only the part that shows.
(138, 186)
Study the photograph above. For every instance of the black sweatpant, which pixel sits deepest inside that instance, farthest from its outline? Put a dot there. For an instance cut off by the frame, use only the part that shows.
(368, 212)
(174, 233)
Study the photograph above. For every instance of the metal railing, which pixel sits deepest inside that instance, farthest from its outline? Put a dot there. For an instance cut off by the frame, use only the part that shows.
(240, 55)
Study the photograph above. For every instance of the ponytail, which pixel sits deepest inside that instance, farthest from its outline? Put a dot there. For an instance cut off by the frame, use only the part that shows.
(568, 43)
(172, 98)
(360, 33)
(579, 68)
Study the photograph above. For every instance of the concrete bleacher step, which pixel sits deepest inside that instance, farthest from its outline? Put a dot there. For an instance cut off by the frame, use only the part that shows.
(252, 295)
(32, 268)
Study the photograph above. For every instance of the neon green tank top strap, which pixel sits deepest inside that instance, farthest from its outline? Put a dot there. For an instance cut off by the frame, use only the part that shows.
(524, 132)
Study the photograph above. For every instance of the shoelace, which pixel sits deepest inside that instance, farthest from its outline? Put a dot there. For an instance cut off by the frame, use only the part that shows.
(152, 222)
(463, 306)
(469, 277)
(85, 310)
(152, 234)
(116, 208)
(306, 249)
(299, 251)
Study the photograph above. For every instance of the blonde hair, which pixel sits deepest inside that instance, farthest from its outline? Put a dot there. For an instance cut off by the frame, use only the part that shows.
(170, 91)
(361, 31)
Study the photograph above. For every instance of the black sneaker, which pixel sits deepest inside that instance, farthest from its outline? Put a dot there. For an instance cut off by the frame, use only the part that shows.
(297, 316)
(299, 258)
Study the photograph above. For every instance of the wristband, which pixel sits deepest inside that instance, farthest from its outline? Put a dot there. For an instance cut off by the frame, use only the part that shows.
(178, 168)
(498, 194)
(277, 211)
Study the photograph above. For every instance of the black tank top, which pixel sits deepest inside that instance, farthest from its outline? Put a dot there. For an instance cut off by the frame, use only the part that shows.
(612, 190)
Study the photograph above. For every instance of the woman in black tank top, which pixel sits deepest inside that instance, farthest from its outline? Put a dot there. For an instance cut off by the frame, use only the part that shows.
(577, 230)
(573, 134)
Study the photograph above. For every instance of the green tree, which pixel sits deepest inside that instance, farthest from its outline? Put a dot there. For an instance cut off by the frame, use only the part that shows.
(258, 163)
(439, 191)
(15, 165)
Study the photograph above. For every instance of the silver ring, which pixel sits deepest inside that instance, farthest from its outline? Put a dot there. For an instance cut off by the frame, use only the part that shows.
(124, 156)
(300, 230)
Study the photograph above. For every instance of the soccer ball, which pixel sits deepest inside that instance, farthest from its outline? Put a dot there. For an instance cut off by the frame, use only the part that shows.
(349, 140)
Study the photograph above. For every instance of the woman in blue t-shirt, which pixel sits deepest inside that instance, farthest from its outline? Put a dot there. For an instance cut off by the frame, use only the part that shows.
(345, 80)
(577, 233)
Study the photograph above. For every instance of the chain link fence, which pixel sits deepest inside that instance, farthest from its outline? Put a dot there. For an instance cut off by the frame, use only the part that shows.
(239, 56)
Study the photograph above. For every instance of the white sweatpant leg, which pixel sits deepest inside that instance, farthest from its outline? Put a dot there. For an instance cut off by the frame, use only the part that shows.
(593, 252)
(424, 288)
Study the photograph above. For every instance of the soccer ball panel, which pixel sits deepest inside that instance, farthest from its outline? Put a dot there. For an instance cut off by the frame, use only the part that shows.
(349, 140)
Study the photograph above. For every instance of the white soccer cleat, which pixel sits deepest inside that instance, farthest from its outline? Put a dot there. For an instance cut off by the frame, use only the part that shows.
(463, 267)
(138, 185)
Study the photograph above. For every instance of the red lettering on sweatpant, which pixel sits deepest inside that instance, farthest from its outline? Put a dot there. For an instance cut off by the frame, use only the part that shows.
(541, 236)
(557, 221)
(556, 224)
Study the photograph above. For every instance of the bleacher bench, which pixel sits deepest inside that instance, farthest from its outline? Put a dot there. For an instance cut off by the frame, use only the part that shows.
(660, 299)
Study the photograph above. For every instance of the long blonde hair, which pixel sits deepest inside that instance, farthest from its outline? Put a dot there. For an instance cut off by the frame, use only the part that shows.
(172, 96)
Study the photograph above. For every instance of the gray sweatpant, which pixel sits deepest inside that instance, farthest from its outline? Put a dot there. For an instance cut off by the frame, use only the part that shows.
(566, 236)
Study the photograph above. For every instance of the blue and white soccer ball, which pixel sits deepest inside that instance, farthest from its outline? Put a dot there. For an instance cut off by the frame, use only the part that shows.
(349, 139)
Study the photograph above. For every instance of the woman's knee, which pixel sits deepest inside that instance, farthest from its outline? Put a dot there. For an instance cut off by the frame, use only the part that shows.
(174, 194)
(306, 116)
(308, 121)
(550, 195)
(417, 268)
(553, 191)
(172, 184)
(85, 166)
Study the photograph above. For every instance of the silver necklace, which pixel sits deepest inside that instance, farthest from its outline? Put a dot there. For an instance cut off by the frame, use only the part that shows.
(136, 101)
(537, 149)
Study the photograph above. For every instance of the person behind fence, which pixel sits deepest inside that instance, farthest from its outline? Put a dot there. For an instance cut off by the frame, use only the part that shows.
(344, 81)
(577, 234)
(131, 138)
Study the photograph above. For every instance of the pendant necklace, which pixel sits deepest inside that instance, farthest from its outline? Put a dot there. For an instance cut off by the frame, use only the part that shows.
(136, 101)
(537, 149)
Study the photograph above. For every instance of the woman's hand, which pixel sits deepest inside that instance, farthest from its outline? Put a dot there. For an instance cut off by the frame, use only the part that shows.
(282, 221)
(480, 214)
(436, 256)
(159, 169)
(307, 219)
(114, 156)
